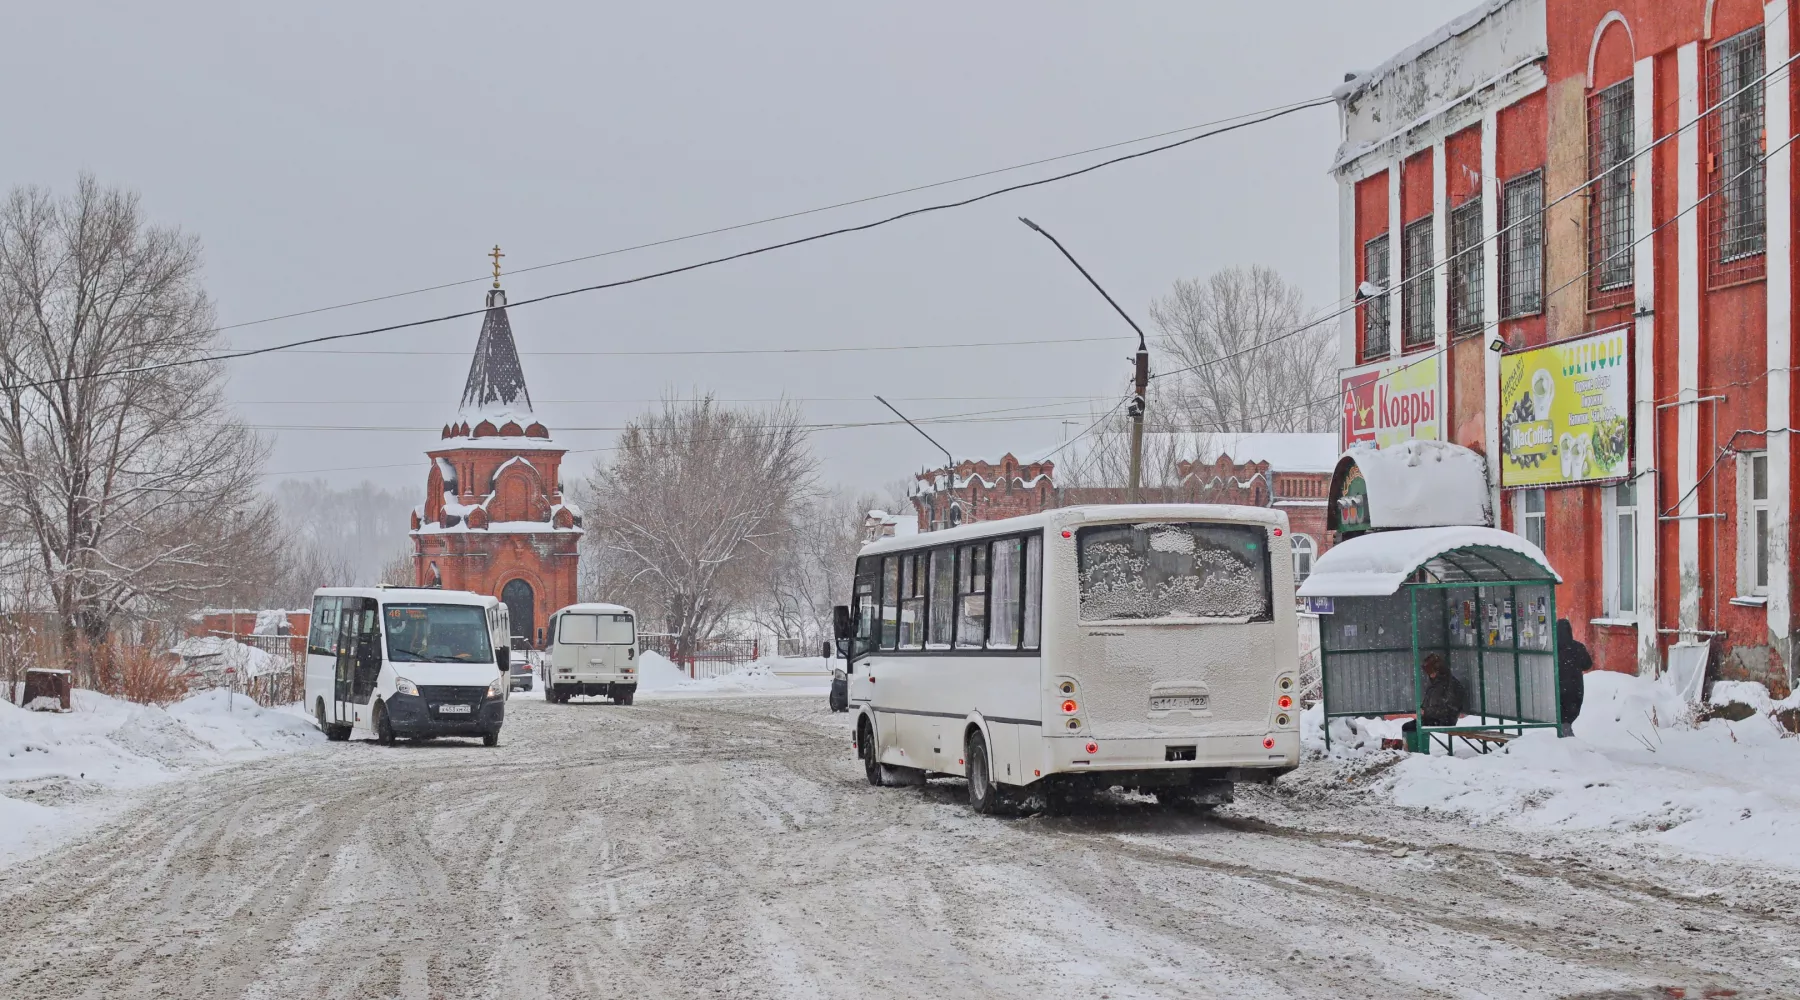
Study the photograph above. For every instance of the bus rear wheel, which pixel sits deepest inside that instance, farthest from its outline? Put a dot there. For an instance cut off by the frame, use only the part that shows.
(624, 696)
(985, 796)
(336, 734)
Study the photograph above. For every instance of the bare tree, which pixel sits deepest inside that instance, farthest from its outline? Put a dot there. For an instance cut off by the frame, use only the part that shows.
(695, 498)
(812, 569)
(120, 468)
(1258, 374)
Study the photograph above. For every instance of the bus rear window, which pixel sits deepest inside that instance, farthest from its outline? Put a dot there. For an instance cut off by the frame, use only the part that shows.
(596, 630)
(1167, 570)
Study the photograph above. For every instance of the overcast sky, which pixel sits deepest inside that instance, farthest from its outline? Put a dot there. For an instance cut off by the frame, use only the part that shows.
(330, 151)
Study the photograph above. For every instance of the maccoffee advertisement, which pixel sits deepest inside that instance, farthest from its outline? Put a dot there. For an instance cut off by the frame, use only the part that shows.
(1564, 412)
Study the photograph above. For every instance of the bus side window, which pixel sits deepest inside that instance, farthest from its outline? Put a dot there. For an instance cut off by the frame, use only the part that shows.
(890, 602)
(322, 637)
(1003, 599)
(971, 595)
(941, 620)
(1034, 592)
(912, 600)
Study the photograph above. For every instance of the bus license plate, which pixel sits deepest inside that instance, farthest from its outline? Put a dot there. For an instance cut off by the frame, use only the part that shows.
(1173, 702)
(453, 710)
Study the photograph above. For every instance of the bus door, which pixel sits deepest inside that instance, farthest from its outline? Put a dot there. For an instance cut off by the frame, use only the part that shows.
(359, 655)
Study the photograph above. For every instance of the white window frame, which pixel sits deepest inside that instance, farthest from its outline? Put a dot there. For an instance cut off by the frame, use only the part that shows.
(1523, 516)
(1750, 547)
(1299, 546)
(1620, 597)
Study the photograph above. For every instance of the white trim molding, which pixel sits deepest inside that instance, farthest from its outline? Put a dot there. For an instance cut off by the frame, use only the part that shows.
(1611, 17)
(1490, 300)
(1643, 210)
(1687, 347)
(1778, 264)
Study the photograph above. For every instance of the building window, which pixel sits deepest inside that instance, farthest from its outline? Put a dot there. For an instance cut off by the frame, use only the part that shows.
(1418, 300)
(1522, 248)
(1736, 178)
(1611, 146)
(1619, 517)
(1528, 516)
(1753, 524)
(1304, 550)
(1375, 307)
(1465, 267)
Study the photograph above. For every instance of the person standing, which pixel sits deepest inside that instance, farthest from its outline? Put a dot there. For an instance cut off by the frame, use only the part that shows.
(1572, 660)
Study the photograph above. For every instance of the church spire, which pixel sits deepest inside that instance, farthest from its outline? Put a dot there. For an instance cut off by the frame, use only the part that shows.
(496, 379)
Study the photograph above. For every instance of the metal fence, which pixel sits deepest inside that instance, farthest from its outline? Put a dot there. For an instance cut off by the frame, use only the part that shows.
(282, 686)
(703, 657)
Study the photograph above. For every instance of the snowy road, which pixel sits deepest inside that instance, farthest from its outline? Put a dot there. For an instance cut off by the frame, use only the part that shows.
(729, 848)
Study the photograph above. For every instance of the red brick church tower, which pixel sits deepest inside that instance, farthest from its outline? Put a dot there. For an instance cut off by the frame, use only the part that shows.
(495, 521)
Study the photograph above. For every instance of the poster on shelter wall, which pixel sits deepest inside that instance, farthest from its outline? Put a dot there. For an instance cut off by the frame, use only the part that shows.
(1564, 412)
(1386, 406)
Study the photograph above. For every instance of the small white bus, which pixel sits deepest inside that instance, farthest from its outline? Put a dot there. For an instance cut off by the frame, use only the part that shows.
(394, 662)
(1150, 647)
(593, 651)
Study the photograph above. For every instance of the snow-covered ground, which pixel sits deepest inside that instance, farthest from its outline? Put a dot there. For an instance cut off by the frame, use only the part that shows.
(799, 675)
(1638, 769)
(63, 772)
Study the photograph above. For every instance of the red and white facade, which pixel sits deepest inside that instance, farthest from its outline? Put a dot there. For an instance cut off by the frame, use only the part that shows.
(1655, 136)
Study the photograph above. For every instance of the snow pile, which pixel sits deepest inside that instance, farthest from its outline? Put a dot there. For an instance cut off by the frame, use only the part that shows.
(63, 771)
(213, 654)
(657, 675)
(1637, 768)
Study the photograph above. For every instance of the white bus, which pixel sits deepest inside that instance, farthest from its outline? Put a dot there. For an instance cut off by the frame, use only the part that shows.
(394, 662)
(593, 651)
(1152, 647)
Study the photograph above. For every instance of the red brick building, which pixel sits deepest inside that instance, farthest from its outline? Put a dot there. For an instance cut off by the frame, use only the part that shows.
(1569, 225)
(1289, 471)
(495, 520)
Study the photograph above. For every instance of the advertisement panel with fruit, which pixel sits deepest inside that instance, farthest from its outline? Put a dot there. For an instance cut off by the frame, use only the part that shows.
(1565, 412)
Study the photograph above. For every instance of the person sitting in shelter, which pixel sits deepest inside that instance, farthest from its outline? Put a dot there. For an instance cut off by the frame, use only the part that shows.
(1572, 660)
(1444, 696)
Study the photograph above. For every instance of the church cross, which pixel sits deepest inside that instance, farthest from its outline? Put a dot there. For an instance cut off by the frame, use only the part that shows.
(496, 254)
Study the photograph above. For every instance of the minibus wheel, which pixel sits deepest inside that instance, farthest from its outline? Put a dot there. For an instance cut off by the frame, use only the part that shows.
(624, 697)
(490, 739)
(865, 747)
(984, 795)
(384, 727)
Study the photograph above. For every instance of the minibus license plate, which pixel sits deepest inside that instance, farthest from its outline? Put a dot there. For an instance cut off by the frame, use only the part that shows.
(453, 710)
(1173, 702)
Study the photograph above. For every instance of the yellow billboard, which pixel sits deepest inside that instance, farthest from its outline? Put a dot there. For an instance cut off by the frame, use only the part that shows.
(1565, 412)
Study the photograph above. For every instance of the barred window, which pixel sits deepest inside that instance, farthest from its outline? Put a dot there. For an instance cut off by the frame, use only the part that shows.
(1418, 300)
(1522, 246)
(1736, 176)
(1465, 267)
(1375, 307)
(1611, 146)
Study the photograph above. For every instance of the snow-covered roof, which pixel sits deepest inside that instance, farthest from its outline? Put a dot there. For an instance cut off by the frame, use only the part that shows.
(597, 608)
(1071, 516)
(1283, 452)
(496, 384)
(501, 527)
(1378, 563)
(1454, 27)
(1422, 484)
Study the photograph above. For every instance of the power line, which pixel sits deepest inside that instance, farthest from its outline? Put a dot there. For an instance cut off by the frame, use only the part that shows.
(740, 350)
(1260, 118)
(737, 226)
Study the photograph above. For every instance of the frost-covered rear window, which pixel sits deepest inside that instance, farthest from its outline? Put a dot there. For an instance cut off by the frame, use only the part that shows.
(591, 629)
(1174, 570)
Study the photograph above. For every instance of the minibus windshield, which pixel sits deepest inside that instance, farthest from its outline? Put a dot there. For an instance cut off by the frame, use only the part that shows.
(437, 633)
(596, 630)
(1169, 570)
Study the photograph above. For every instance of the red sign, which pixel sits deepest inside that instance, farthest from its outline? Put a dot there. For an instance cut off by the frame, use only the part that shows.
(1385, 408)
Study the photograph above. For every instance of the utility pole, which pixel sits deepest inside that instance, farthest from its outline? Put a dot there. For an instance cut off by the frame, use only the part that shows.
(949, 463)
(1140, 371)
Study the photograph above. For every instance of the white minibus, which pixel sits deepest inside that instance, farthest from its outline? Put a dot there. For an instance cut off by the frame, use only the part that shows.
(1149, 647)
(395, 662)
(593, 650)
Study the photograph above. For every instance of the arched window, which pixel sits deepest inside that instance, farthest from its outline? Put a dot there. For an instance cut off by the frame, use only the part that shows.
(1304, 550)
(437, 579)
(520, 610)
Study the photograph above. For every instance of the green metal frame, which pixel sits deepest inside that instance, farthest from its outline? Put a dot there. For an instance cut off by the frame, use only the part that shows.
(1445, 736)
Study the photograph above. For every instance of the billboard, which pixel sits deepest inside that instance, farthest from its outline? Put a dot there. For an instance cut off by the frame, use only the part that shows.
(1565, 412)
(1386, 406)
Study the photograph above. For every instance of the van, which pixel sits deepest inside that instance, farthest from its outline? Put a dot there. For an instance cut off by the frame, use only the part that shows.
(593, 651)
(400, 662)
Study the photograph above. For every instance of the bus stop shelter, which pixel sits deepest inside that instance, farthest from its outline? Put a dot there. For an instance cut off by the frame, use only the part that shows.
(1481, 598)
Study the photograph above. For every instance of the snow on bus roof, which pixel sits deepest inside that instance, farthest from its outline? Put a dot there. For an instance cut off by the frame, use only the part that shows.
(1378, 563)
(423, 595)
(1075, 515)
(597, 608)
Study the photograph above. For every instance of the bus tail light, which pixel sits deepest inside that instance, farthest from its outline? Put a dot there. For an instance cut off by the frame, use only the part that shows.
(1094, 748)
(1068, 534)
(1069, 706)
(1277, 532)
(1268, 742)
(1284, 702)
